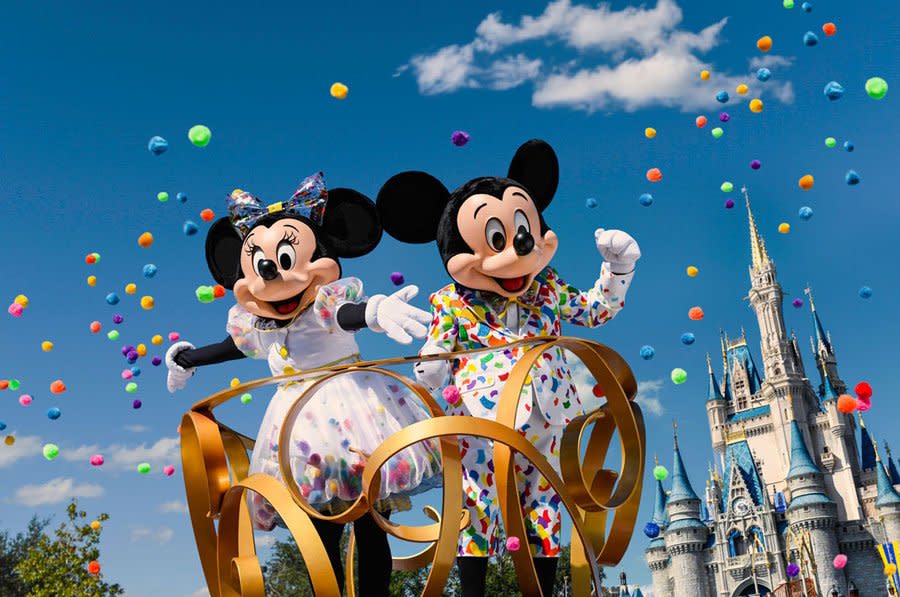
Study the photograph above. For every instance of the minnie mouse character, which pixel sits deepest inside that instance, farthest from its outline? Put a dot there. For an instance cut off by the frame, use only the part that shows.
(496, 245)
(294, 309)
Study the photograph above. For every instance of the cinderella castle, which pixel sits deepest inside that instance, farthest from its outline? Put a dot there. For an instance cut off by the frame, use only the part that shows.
(796, 482)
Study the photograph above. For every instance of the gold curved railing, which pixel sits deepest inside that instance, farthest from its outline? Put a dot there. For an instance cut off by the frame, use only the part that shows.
(215, 463)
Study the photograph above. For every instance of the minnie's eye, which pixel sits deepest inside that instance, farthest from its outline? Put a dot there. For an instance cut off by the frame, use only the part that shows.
(255, 258)
(521, 221)
(285, 255)
(494, 234)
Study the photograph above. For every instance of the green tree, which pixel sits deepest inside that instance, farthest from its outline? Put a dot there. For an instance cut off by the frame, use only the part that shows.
(14, 549)
(58, 566)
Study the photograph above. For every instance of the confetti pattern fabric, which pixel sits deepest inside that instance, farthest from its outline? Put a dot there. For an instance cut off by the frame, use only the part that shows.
(466, 319)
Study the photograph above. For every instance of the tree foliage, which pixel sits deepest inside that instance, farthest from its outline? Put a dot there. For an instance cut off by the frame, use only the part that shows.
(13, 550)
(57, 566)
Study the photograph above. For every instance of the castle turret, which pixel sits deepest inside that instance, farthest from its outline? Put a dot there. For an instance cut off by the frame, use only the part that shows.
(716, 411)
(826, 361)
(893, 473)
(686, 534)
(887, 504)
(655, 554)
(811, 510)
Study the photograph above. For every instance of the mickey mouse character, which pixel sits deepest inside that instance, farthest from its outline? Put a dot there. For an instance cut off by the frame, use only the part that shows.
(496, 245)
(294, 309)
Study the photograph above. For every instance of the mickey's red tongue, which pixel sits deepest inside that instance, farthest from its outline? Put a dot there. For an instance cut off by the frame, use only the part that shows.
(285, 308)
(512, 284)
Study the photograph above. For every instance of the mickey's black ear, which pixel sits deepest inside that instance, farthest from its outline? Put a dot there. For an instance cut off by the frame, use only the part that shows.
(223, 253)
(351, 223)
(410, 205)
(535, 166)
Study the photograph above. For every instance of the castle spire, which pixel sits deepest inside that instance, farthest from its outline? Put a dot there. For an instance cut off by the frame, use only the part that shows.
(726, 376)
(892, 466)
(714, 392)
(821, 337)
(801, 462)
(868, 454)
(886, 492)
(681, 485)
(757, 244)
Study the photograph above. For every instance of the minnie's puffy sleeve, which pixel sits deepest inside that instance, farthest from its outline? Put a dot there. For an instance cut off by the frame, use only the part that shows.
(596, 306)
(332, 297)
(245, 335)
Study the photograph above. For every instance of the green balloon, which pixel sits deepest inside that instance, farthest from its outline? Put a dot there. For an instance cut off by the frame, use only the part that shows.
(113, 334)
(162, 196)
(830, 142)
(727, 187)
(199, 135)
(14, 384)
(51, 451)
(876, 87)
(246, 398)
(660, 473)
(143, 468)
(679, 376)
(131, 387)
(789, 4)
(205, 294)
(717, 132)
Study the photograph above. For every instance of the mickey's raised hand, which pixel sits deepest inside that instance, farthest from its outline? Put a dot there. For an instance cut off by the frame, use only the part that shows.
(618, 249)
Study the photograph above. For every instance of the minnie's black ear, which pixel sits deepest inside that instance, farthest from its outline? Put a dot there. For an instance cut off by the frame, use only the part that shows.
(535, 166)
(223, 253)
(351, 223)
(410, 205)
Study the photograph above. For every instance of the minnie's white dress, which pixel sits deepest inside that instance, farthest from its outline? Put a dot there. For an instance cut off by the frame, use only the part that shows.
(355, 411)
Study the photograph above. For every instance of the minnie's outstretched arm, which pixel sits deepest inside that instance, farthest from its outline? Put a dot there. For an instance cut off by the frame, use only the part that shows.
(182, 359)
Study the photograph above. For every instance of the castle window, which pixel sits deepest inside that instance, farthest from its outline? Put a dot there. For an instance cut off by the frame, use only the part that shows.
(737, 545)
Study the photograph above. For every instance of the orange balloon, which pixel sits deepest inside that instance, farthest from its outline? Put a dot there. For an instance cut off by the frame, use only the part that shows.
(94, 567)
(695, 313)
(764, 43)
(654, 175)
(701, 122)
(846, 404)
(806, 182)
(829, 29)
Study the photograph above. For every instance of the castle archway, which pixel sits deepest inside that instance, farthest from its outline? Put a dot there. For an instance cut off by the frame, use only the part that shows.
(747, 589)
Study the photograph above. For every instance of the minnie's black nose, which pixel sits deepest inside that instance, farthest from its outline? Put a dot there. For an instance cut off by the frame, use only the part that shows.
(268, 270)
(523, 243)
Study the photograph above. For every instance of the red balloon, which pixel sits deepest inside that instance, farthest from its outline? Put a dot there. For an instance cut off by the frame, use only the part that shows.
(863, 390)
(598, 391)
(94, 567)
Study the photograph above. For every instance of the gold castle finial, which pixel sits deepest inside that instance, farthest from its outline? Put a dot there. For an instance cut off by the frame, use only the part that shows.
(656, 459)
(757, 244)
(808, 292)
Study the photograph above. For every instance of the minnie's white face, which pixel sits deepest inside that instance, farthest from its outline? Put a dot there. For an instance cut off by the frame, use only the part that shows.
(278, 267)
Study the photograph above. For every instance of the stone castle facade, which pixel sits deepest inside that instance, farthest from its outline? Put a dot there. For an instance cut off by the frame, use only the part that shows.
(796, 481)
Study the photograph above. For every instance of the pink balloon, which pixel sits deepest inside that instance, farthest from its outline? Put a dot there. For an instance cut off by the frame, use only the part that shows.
(97, 460)
(25, 399)
(169, 470)
(863, 404)
(512, 544)
(840, 561)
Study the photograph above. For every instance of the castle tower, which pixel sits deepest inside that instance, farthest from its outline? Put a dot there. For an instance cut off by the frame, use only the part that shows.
(655, 554)
(811, 511)
(716, 411)
(766, 299)
(826, 361)
(887, 504)
(685, 535)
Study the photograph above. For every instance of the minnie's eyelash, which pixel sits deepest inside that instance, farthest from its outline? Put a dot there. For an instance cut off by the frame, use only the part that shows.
(250, 249)
(291, 238)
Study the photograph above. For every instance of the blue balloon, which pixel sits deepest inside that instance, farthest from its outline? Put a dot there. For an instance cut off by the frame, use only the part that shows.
(722, 97)
(2, 425)
(54, 413)
(806, 213)
(646, 199)
(157, 145)
(135, 371)
(150, 270)
(182, 197)
(647, 352)
(190, 228)
(833, 90)
(865, 292)
(851, 178)
(810, 39)
(651, 529)
(806, 6)
(687, 338)
(112, 298)
(591, 203)
(848, 146)
(763, 74)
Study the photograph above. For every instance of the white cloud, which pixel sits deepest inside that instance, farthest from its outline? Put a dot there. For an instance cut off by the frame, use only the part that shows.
(770, 61)
(55, 491)
(136, 428)
(176, 506)
(26, 446)
(201, 592)
(264, 541)
(161, 535)
(164, 451)
(633, 58)
(648, 396)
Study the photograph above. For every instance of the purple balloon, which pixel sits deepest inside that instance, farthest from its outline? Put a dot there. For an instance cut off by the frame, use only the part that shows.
(459, 138)
(793, 570)
(397, 278)
(755, 164)
(729, 203)
(724, 117)
(797, 303)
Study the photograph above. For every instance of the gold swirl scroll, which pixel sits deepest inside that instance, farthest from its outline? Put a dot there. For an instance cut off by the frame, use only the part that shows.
(215, 461)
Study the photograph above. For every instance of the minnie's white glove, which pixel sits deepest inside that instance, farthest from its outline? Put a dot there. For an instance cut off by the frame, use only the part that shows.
(618, 249)
(393, 316)
(178, 375)
(432, 374)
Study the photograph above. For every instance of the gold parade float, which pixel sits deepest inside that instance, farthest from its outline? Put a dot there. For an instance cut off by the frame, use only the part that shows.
(602, 502)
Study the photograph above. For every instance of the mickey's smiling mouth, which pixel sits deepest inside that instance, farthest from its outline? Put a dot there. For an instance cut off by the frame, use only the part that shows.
(287, 306)
(512, 284)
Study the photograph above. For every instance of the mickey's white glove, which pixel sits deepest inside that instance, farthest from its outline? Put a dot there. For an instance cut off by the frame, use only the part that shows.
(178, 375)
(393, 316)
(432, 374)
(618, 249)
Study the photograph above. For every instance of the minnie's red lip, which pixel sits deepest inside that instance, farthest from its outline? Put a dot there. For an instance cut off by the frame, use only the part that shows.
(288, 305)
(512, 284)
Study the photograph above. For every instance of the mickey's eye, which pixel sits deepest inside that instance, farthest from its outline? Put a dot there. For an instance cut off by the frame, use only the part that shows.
(521, 221)
(494, 234)
(286, 255)
(256, 257)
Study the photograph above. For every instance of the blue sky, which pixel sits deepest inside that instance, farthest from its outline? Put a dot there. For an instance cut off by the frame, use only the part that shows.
(86, 86)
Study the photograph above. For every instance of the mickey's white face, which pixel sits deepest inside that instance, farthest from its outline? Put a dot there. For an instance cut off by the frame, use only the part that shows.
(278, 267)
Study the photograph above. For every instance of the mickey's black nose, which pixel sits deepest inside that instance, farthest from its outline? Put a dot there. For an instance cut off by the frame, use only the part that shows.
(268, 270)
(523, 242)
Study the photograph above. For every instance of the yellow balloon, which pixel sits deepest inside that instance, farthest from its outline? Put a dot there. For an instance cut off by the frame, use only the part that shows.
(692, 271)
(742, 89)
(339, 91)
(756, 105)
(649, 132)
(704, 75)
(784, 228)
(890, 569)
(130, 288)
(46, 346)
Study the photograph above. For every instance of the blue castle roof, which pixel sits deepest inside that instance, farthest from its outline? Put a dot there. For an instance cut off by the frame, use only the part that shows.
(866, 448)
(714, 392)
(801, 462)
(812, 499)
(681, 485)
(887, 495)
(892, 471)
(740, 354)
(739, 453)
(743, 415)
(659, 508)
